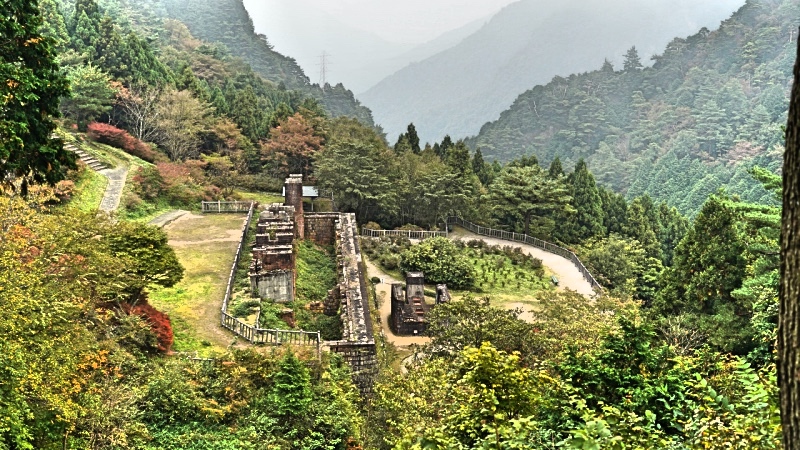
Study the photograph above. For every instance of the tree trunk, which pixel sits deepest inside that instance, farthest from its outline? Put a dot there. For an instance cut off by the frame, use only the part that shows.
(789, 320)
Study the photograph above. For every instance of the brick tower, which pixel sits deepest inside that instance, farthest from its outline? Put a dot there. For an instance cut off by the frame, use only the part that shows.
(293, 188)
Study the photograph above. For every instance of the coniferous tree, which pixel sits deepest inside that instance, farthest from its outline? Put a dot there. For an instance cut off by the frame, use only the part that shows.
(54, 25)
(480, 168)
(556, 170)
(458, 158)
(640, 227)
(413, 138)
(615, 211)
(86, 30)
(30, 84)
(632, 60)
(588, 219)
(527, 199)
(442, 148)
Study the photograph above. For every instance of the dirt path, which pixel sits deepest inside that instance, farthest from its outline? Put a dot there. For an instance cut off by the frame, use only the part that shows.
(382, 290)
(569, 277)
(116, 182)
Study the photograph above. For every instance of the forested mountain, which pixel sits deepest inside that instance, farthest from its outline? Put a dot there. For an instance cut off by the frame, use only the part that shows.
(526, 43)
(710, 107)
(227, 22)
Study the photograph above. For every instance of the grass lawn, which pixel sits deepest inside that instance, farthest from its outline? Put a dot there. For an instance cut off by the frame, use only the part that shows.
(263, 198)
(89, 191)
(206, 246)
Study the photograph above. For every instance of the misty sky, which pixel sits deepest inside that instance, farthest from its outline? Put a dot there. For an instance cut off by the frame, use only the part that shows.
(406, 21)
(366, 41)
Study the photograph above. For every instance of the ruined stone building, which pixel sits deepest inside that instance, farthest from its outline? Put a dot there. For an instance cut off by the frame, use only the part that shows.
(273, 272)
(409, 309)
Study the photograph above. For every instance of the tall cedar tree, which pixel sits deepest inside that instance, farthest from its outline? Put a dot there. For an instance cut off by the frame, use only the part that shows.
(30, 88)
(789, 319)
(588, 219)
(413, 138)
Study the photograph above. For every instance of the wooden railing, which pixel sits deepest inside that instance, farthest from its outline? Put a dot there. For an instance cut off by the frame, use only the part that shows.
(530, 240)
(226, 207)
(407, 233)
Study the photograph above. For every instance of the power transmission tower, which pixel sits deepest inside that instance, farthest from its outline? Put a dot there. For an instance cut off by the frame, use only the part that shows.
(324, 62)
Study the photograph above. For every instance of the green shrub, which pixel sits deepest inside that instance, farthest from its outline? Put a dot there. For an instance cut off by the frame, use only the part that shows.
(441, 262)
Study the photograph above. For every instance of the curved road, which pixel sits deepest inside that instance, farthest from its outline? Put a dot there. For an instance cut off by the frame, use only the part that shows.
(569, 277)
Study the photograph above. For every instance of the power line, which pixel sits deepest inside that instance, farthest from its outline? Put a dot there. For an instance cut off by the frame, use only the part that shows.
(324, 62)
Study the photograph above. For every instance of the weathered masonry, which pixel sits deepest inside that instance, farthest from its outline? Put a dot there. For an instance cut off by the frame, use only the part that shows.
(409, 310)
(273, 272)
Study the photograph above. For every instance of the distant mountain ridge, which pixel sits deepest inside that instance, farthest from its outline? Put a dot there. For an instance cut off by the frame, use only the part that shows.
(526, 43)
(359, 59)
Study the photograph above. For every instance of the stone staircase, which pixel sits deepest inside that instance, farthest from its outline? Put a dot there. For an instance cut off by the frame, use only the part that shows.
(88, 159)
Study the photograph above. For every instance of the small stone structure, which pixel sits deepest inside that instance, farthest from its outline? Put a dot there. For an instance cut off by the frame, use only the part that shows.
(409, 310)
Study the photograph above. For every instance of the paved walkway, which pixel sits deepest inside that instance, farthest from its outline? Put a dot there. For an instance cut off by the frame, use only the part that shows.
(116, 182)
(569, 277)
(168, 217)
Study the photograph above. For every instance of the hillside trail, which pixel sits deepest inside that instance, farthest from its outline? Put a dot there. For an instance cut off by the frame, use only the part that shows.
(116, 183)
(569, 277)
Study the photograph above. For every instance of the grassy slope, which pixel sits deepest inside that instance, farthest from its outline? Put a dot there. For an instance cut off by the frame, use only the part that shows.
(205, 245)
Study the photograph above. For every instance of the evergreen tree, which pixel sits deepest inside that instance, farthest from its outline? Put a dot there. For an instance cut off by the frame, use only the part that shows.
(87, 27)
(413, 138)
(30, 86)
(53, 25)
(615, 211)
(556, 171)
(444, 147)
(480, 168)
(632, 60)
(639, 227)
(92, 95)
(527, 199)
(458, 158)
(709, 264)
(588, 219)
(402, 145)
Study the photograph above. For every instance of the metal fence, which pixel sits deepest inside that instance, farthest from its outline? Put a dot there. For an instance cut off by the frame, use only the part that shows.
(226, 207)
(530, 240)
(407, 233)
(256, 335)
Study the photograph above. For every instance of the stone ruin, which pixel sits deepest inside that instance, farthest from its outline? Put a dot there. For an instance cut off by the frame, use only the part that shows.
(273, 272)
(408, 316)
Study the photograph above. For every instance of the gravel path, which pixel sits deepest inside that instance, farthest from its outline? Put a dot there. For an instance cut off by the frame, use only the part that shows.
(116, 182)
(569, 277)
